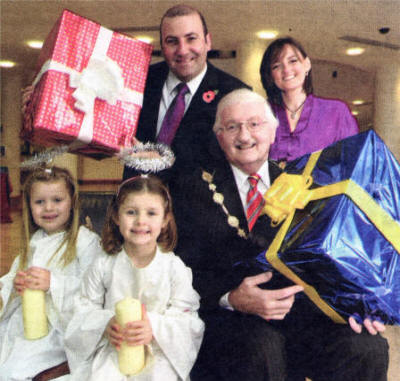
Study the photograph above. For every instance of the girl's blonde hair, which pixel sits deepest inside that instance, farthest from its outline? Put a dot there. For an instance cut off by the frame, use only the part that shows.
(50, 175)
(112, 239)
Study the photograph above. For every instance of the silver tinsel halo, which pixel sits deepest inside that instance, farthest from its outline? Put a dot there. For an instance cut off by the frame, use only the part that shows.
(147, 164)
(44, 158)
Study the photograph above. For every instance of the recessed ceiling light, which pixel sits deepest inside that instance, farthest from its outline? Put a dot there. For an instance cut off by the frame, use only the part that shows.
(146, 39)
(35, 44)
(354, 113)
(7, 64)
(358, 102)
(267, 34)
(355, 51)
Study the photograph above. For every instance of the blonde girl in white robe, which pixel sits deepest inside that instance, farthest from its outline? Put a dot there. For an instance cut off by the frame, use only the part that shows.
(56, 255)
(139, 235)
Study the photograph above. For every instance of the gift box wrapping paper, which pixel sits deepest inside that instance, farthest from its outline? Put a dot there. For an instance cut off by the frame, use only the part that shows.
(344, 245)
(89, 87)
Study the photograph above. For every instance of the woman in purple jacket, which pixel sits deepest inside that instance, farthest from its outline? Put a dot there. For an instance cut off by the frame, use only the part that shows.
(307, 123)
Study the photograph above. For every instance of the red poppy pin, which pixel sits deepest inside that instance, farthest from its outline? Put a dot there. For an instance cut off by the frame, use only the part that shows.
(209, 95)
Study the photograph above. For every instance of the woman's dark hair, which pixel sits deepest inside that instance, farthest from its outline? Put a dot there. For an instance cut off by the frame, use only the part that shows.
(271, 55)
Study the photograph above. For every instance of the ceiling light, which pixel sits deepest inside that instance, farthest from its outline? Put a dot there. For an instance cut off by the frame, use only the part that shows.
(146, 39)
(35, 44)
(355, 51)
(354, 113)
(267, 34)
(7, 64)
(358, 102)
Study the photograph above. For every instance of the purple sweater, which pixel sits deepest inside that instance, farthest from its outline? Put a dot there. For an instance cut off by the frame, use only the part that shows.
(322, 122)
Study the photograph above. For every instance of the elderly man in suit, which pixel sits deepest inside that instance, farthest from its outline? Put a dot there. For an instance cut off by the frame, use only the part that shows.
(185, 41)
(255, 327)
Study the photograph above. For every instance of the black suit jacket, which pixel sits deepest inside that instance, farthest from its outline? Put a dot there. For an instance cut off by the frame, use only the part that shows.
(238, 346)
(194, 134)
(206, 242)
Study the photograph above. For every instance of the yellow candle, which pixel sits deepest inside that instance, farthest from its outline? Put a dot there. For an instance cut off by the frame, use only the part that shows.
(34, 314)
(130, 358)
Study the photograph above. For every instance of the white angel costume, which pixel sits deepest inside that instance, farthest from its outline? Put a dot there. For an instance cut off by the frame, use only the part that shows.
(165, 287)
(22, 359)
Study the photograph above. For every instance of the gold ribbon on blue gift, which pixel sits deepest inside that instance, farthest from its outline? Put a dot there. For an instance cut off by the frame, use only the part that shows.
(290, 192)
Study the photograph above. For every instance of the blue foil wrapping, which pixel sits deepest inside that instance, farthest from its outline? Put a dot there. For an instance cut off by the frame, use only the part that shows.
(332, 245)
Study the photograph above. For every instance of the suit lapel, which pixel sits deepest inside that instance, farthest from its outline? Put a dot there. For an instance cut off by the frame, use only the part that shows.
(153, 92)
(209, 82)
(198, 108)
(225, 182)
(274, 170)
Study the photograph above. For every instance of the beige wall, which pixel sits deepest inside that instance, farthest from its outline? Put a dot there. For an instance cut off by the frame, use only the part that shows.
(387, 106)
(348, 84)
(11, 122)
(90, 169)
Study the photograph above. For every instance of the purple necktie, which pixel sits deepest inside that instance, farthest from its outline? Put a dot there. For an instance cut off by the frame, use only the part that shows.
(173, 116)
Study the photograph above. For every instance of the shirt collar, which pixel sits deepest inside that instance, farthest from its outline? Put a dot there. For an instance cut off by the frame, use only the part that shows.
(172, 81)
(241, 177)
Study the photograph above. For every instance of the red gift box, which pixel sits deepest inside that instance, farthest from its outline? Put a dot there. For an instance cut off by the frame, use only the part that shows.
(89, 88)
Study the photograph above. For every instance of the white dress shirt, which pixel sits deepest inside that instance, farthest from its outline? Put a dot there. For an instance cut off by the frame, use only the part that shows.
(243, 185)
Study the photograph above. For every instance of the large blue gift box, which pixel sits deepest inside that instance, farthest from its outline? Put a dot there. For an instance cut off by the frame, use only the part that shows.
(338, 213)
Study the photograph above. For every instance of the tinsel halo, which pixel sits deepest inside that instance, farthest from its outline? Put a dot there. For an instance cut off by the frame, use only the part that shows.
(144, 157)
(155, 158)
(43, 159)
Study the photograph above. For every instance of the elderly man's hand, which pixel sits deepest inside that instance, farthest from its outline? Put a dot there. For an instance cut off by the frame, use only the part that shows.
(373, 327)
(268, 304)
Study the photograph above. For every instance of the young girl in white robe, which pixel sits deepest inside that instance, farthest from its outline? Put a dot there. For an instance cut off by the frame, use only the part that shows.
(56, 255)
(138, 237)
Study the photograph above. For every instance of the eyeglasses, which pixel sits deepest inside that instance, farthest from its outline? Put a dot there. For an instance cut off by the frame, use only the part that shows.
(234, 128)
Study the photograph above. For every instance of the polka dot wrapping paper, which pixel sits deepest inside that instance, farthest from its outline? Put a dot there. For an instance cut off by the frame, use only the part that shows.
(88, 89)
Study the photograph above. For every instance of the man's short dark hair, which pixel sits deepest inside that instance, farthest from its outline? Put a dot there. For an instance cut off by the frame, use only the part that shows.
(183, 10)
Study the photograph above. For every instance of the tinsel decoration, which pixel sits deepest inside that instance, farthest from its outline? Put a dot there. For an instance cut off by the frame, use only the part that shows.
(44, 158)
(147, 157)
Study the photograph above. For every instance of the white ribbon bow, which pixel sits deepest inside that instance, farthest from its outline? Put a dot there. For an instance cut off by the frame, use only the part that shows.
(102, 78)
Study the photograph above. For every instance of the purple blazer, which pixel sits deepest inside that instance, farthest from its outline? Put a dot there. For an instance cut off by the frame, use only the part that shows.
(322, 122)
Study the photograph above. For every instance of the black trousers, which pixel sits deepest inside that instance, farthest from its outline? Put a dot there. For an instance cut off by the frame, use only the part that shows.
(239, 347)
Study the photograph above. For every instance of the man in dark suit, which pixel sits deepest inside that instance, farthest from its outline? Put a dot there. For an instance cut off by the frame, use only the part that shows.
(185, 42)
(255, 330)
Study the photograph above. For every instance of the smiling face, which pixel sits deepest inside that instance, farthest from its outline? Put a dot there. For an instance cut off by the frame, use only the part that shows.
(289, 70)
(248, 149)
(50, 204)
(184, 45)
(141, 217)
